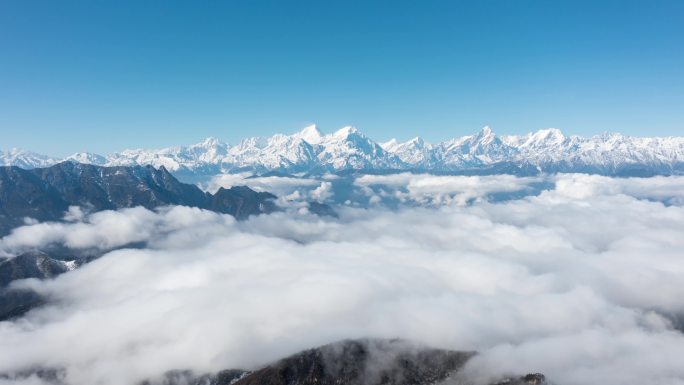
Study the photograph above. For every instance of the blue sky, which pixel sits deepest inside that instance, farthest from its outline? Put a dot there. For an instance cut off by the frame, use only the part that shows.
(108, 75)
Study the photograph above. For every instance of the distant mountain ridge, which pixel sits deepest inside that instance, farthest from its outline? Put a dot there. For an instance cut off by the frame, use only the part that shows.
(347, 149)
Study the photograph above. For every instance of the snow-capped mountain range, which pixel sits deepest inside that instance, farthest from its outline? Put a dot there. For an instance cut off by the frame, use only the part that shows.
(310, 151)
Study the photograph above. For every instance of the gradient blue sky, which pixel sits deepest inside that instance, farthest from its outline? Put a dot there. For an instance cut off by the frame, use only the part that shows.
(107, 75)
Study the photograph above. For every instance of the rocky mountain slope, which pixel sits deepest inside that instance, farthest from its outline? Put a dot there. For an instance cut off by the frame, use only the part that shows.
(311, 151)
(361, 362)
(348, 362)
(47, 193)
(353, 362)
(33, 264)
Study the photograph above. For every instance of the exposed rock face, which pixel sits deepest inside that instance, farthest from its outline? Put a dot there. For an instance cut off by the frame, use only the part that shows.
(361, 362)
(322, 209)
(241, 202)
(34, 264)
(349, 362)
(46, 193)
(15, 303)
(187, 377)
(528, 379)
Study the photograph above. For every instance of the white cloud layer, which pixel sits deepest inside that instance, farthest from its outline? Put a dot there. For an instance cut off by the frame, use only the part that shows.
(436, 190)
(580, 282)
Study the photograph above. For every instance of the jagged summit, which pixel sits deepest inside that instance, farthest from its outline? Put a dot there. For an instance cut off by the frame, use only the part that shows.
(87, 157)
(210, 142)
(484, 138)
(45, 194)
(311, 134)
(549, 132)
(309, 150)
(486, 133)
(390, 144)
(25, 159)
(345, 132)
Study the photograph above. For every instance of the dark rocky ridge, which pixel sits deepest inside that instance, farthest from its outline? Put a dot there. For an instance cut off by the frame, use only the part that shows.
(45, 194)
(348, 362)
(528, 379)
(32, 264)
(352, 362)
(361, 362)
(15, 303)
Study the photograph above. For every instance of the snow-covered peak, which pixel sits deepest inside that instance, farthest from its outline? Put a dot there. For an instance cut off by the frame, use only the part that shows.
(25, 159)
(211, 150)
(414, 144)
(257, 142)
(549, 136)
(310, 134)
(550, 132)
(390, 145)
(608, 135)
(348, 148)
(417, 142)
(485, 136)
(464, 143)
(308, 150)
(345, 132)
(87, 157)
(415, 152)
(210, 142)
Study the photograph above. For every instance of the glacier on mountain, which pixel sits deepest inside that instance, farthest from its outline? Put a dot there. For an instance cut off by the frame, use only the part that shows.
(347, 149)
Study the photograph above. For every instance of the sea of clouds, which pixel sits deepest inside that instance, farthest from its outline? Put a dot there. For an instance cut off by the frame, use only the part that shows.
(579, 277)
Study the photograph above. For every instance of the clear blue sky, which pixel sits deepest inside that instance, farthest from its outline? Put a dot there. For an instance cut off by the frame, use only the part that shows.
(107, 75)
